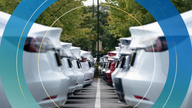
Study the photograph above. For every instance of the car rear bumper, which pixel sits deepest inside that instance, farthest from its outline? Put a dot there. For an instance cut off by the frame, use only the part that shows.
(78, 87)
(54, 83)
(119, 89)
(87, 82)
(137, 84)
(121, 97)
(50, 104)
(109, 79)
(138, 103)
(71, 89)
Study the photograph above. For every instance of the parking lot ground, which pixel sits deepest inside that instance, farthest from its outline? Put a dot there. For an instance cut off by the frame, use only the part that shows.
(87, 97)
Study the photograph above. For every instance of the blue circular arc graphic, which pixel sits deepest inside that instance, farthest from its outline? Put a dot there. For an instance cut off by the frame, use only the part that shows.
(19, 24)
(180, 53)
(169, 19)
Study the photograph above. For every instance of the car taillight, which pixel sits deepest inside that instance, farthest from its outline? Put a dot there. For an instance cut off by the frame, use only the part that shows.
(83, 59)
(33, 44)
(139, 97)
(155, 44)
(87, 79)
(51, 97)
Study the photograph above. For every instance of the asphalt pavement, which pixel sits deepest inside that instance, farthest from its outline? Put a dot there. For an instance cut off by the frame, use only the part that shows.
(97, 95)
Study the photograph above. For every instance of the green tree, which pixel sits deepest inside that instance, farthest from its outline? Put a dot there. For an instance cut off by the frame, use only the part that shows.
(88, 28)
(120, 21)
(68, 22)
(78, 25)
(8, 6)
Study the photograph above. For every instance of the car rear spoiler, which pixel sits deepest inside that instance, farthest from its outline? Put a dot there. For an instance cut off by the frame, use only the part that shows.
(76, 52)
(37, 30)
(66, 47)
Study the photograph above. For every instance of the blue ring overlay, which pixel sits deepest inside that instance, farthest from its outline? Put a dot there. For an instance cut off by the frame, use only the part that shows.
(180, 53)
(27, 10)
(163, 11)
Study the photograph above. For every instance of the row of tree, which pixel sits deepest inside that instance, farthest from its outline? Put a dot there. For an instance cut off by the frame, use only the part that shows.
(79, 26)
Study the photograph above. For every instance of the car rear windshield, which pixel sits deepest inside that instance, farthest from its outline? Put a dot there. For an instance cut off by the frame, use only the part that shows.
(122, 62)
(126, 65)
(69, 63)
(132, 59)
(109, 64)
(78, 64)
(101, 64)
(106, 64)
(117, 64)
(89, 63)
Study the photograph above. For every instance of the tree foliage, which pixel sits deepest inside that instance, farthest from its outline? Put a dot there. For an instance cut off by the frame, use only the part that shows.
(80, 28)
(78, 25)
(120, 21)
(89, 24)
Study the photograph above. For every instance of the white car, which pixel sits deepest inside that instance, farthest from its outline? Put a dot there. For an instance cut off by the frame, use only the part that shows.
(77, 68)
(125, 54)
(91, 64)
(95, 60)
(46, 77)
(124, 45)
(104, 67)
(49, 66)
(67, 66)
(147, 75)
(101, 65)
(88, 79)
(116, 58)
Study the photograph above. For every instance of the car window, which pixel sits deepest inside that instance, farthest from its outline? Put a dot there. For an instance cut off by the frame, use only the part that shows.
(126, 65)
(106, 64)
(117, 64)
(122, 62)
(102, 65)
(109, 63)
(89, 63)
(69, 63)
(132, 59)
(78, 64)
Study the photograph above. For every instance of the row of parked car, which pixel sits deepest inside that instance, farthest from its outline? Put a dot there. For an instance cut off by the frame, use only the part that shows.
(62, 69)
(138, 68)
